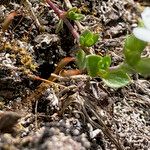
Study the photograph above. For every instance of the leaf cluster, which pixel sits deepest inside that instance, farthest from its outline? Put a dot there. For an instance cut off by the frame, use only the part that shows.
(73, 14)
(118, 76)
(98, 66)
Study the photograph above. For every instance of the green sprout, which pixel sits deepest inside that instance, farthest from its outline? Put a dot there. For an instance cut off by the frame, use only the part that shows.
(115, 77)
(73, 14)
(100, 66)
(88, 38)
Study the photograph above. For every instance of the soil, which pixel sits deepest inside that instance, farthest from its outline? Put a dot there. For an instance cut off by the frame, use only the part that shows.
(71, 112)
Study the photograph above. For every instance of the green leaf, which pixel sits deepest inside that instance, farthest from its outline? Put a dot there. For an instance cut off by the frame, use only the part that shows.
(116, 79)
(143, 67)
(92, 64)
(132, 50)
(74, 9)
(126, 68)
(73, 15)
(104, 63)
(88, 39)
(81, 59)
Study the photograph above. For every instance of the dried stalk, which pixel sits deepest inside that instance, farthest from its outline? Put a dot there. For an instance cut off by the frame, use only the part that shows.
(28, 6)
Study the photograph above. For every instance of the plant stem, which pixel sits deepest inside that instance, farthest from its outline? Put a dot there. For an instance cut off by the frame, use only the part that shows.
(28, 5)
(123, 66)
(72, 29)
(68, 4)
(55, 8)
(62, 15)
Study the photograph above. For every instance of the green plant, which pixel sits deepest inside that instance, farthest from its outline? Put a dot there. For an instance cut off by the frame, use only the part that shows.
(73, 14)
(117, 76)
(98, 66)
(88, 38)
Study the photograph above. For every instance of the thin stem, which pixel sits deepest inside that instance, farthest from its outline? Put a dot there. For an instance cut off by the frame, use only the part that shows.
(123, 66)
(30, 9)
(68, 4)
(55, 8)
(113, 68)
(62, 15)
(72, 29)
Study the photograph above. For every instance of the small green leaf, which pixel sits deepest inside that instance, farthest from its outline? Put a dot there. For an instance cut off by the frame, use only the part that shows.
(143, 67)
(92, 64)
(81, 59)
(73, 15)
(132, 50)
(104, 63)
(116, 79)
(88, 39)
(74, 9)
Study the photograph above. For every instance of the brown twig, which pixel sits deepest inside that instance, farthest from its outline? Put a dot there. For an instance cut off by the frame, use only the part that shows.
(28, 5)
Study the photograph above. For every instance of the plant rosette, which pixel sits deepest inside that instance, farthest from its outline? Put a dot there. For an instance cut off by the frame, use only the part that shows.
(143, 33)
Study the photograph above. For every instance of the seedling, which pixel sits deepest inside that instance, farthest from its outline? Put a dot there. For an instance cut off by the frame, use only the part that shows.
(88, 38)
(98, 66)
(73, 14)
